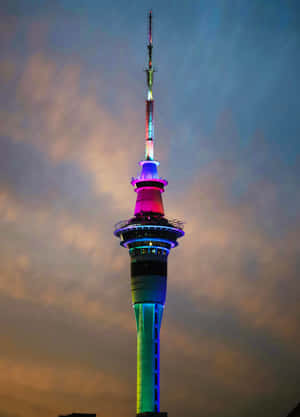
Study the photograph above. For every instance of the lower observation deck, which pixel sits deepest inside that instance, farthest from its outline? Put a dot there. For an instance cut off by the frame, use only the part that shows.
(149, 232)
(149, 239)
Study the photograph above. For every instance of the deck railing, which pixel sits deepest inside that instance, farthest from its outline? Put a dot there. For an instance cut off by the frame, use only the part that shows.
(178, 224)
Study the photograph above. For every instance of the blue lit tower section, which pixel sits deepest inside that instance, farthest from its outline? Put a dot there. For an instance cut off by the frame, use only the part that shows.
(149, 236)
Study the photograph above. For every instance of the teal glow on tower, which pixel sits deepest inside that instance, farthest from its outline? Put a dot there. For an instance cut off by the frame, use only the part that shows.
(149, 236)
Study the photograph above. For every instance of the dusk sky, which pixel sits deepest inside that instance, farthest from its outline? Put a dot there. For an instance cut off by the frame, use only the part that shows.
(227, 131)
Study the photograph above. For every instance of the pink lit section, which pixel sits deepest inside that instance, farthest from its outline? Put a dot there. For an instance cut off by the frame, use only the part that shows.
(149, 200)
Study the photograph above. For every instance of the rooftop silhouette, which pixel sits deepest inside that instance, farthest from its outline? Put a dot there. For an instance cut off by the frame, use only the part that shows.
(295, 412)
(78, 415)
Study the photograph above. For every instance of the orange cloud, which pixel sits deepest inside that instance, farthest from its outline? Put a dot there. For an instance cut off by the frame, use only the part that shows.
(72, 125)
(28, 387)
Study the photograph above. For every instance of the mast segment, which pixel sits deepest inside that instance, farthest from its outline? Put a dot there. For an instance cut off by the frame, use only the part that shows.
(149, 152)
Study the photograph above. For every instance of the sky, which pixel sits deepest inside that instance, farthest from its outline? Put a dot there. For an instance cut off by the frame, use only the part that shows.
(227, 126)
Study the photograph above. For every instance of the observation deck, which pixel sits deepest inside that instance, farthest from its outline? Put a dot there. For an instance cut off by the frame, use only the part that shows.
(149, 239)
(150, 232)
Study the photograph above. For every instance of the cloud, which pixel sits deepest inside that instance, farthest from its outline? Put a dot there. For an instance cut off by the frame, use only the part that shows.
(34, 385)
(21, 274)
(231, 258)
(50, 110)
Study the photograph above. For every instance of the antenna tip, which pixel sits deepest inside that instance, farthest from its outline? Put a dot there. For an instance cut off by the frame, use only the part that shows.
(150, 27)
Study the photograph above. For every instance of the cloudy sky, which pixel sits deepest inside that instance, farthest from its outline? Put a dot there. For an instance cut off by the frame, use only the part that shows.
(72, 93)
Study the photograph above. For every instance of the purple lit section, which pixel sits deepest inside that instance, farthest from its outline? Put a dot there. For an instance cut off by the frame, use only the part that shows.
(148, 172)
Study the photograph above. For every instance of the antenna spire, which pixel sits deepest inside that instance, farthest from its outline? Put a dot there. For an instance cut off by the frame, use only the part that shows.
(150, 40)
(149, 154)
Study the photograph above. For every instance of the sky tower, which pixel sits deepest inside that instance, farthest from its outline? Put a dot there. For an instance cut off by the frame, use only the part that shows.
(149, 236)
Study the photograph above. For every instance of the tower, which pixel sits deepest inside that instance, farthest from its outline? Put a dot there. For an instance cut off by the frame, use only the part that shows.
(149, 236)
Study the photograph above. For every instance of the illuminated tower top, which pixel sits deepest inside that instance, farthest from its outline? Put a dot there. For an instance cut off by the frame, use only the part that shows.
(148, 184)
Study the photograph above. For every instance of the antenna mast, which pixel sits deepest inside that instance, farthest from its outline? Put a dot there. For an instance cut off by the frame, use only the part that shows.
(149, 154)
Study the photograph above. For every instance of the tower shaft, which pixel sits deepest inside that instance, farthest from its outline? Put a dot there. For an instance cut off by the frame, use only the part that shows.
(148, 320)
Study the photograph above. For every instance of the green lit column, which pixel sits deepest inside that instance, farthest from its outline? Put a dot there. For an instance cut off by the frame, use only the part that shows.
(148, 319)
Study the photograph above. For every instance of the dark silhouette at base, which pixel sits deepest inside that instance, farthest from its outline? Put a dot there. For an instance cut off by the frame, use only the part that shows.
(295, 412)
(78, 415)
